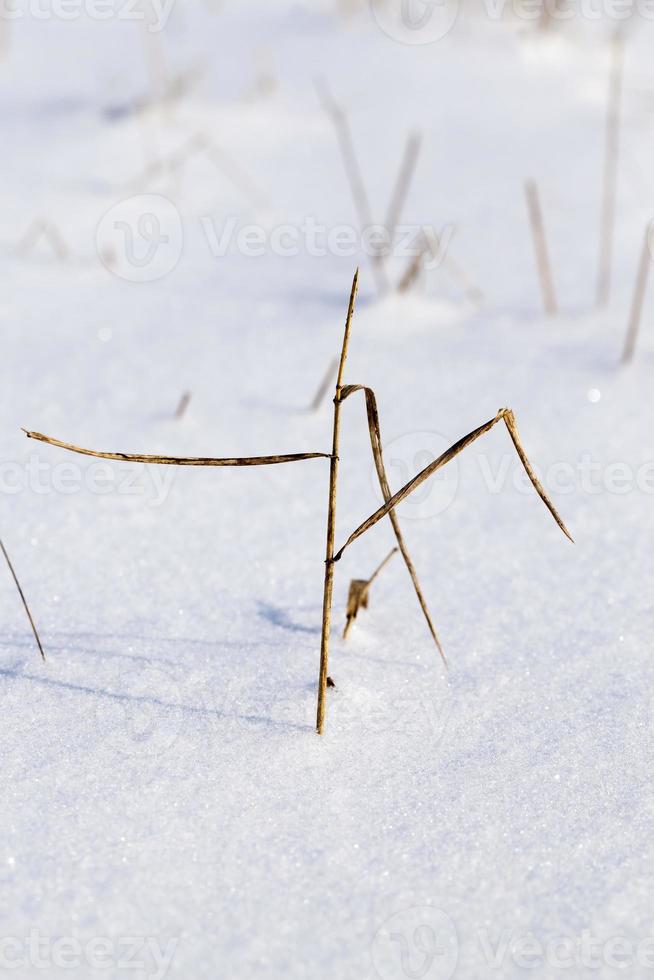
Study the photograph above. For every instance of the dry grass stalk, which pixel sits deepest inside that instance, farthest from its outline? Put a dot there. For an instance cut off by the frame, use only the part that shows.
(403, 182)
(376, 446)
(155, 62)
(638, 300)
(178, 460)
(236, 174)
(352, 170)
(611, 154)
(359, 593)
(429, 246)
(540, 246)
(414, 267)
(324, 385)
(328, 589)
(184, 403)
(175, 164)
(42, 228)
(401, 190)
(462, 279)
(23, 600)
(504, 415)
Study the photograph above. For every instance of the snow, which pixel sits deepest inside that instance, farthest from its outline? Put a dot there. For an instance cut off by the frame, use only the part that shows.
(165, 797)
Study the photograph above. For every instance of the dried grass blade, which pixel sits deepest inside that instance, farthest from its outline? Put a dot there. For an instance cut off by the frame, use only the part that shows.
(359, 593)
(431, 246)
(611, 160)
(184, 403)
(510, 422)
(402, 186)
(504, 414)
(414, 267)
(357, 598)
(404, 180)
(376, 445)
(178, 460)
(380, 568)
(352, 170)
(330, 374)
(638, 300)
(23, 600)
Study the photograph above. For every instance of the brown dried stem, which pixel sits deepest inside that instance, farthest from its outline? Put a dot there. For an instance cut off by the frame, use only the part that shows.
(23, 600)
(427, 245)
(178, 460)
(403, 182)
(328, 590)
(376, 445)
(324, 385)
(505, 415)
(183, 405)
(540, 247)
(638, 300)
(359, 593)
(609, 192)
(414, 267)
(43, 228)
(400, 191)
(352, 170)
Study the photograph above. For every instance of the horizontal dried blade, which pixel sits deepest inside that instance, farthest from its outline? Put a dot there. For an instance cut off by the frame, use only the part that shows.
(178, 460)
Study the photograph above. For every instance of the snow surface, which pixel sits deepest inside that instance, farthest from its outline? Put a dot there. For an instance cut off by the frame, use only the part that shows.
(161, 775)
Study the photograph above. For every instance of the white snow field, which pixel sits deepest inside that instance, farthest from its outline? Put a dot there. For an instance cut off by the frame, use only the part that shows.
(167, 809)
